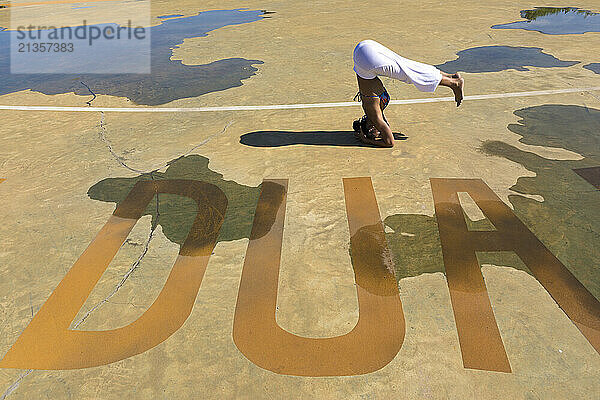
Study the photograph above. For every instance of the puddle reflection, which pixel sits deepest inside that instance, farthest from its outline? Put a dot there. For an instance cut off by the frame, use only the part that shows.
(170, 79)
(594, 67)
(556, 21)
(501, 58)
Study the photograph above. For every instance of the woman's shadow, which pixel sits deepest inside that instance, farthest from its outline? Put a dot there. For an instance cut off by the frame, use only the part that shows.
(313, 138)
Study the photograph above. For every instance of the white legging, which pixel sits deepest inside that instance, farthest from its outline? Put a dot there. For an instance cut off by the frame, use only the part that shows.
(372, 59)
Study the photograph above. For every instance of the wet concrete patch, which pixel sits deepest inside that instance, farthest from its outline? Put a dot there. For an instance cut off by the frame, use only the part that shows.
(501, 58)
(177, 213)
(170, 79)
(416, 248)
(556, 21)
(594, 67)
(591, 174)
(568, 219)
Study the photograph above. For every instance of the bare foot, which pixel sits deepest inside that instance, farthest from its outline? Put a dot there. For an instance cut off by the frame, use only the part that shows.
(457, 87)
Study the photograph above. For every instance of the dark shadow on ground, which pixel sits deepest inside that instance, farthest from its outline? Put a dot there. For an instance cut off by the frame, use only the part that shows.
(556, 21)
(590, 174)
(312, 138)
(170, 79)
(594, 67)
(416, 248)
(501, 58)
(567, 221)
(177, 213)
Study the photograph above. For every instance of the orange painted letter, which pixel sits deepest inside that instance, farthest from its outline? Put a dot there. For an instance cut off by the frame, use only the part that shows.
(480, 341)
(379, 333)
(48, 343)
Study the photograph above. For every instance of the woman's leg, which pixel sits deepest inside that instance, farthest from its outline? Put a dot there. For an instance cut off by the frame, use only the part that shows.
(424, 77)
(456, 83)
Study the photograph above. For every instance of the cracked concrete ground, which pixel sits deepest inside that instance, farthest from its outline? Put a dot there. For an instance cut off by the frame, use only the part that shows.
(51, 160)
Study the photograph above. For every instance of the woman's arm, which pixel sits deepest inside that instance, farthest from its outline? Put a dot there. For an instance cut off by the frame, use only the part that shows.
(375, 142)
(373, 111)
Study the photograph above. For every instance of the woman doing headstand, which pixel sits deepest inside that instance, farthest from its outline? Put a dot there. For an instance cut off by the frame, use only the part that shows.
(371, 60)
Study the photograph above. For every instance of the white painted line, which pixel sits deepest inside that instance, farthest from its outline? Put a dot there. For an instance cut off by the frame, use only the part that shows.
(290, 106)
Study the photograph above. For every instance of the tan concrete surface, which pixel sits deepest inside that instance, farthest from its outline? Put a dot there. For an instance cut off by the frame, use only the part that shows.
(50, 161)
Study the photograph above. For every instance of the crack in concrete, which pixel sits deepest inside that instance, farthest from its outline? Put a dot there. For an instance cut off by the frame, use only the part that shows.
(129, 303)
(126, 276)
(129, 272)
(136, 264)
(589, 92)
(155, 222)
(119, 159)
(89, 102)
(131, 269)
(208, 139)
(15, 384)
(592, 94)
(102, 134)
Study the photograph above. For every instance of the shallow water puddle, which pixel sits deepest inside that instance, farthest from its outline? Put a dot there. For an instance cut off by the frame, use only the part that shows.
(170, 79)
(501, 58)
(556, 21)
